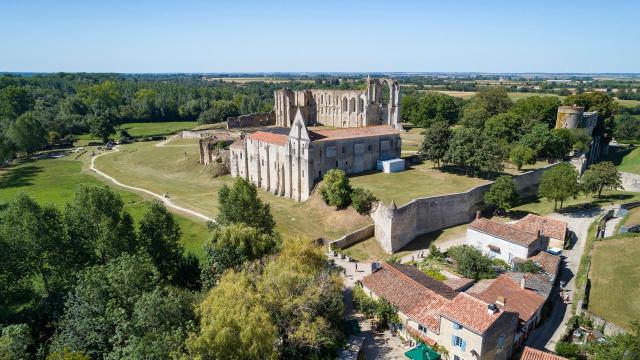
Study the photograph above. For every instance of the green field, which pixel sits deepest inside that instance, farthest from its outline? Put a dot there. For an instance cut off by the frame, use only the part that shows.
(615, 275)
(628, 103)
(630, 162)
(53, 181)
(515, 96)
(175, 170)
(139, 130)
(544, 206)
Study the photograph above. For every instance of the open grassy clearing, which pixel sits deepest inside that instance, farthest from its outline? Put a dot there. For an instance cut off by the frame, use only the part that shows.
(633, 218)
(628, 103)
(370, 250)
(615, 275)
(138, 130)
(630, 161)
(53, 181)
(175, 170)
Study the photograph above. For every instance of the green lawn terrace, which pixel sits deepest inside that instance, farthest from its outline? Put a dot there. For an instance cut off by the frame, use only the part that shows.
(615, 275)
(143, 130)
(54, 180)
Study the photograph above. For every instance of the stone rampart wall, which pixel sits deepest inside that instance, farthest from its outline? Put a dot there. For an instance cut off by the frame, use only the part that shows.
(395, 228)
(252, 120)
(353, 238)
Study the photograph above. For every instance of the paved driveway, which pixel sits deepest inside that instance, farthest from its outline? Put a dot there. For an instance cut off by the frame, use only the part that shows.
(554, 327)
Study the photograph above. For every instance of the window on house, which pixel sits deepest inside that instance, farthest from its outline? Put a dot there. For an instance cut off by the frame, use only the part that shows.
(422, 328)
(457, 341)
(456, 357)
(456, 326)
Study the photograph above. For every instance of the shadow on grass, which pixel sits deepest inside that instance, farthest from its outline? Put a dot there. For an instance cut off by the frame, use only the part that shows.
(422, 242)
(19, 176)
(617, 153)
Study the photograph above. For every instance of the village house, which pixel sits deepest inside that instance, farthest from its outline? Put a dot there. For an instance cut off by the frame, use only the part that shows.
(432, 312)
(522, 240)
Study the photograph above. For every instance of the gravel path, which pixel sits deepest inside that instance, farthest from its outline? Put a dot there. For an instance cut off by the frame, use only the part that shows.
(166, 201)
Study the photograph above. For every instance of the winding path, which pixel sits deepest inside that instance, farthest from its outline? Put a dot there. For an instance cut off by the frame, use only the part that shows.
(166, 201)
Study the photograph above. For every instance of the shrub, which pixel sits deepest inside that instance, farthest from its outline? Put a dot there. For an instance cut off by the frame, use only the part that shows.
(500, 263)
(336, 189)
(435, 253)
(362, 302)
(529, 267)
(362, 200)
(471, 263)
(568, 350)
(434, 273)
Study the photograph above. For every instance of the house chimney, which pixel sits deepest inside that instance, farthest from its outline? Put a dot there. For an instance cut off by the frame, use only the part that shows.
(501, 301)
(491, 309)
(522, 283)
(477, 214)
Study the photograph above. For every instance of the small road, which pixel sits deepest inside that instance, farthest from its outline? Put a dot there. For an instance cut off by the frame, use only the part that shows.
(166, 201)
(554, 327)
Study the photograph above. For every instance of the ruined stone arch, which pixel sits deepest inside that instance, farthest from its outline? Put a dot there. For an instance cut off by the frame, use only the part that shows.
(361, 101)
(352, 105)
(344, 104)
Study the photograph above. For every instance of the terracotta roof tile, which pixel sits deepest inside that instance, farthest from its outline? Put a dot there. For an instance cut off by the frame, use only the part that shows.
(552, 228)
(523, 301)
(458, 284)
(533, 354)
(504, 231)
(348, 133)
(540, 283)
(549, 262)
(269, 138)
(418, 296)
(470, 312)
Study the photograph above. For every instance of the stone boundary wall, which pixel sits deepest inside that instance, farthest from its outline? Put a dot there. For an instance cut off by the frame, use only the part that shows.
(196, 134)
(630, 182)
(396, 227)
(609, 328)
(252, 120)
(353, 238)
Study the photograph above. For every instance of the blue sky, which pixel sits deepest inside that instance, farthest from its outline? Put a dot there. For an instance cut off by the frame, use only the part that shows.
(323, 35)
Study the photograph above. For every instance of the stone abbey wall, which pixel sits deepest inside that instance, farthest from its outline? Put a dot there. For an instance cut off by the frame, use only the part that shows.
(252, 120)
(396, 227)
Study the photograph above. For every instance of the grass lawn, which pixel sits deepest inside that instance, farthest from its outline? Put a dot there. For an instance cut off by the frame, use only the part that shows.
(370, 250)
(175, 170)
(418, 181)
(53, 181)
(630, 162)
(157, 128)
(615, 275)
(628, 103)
(633, 218)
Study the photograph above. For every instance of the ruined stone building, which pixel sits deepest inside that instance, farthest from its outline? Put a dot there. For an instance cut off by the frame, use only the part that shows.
(290, 161)
(574, 117)
(314, 131)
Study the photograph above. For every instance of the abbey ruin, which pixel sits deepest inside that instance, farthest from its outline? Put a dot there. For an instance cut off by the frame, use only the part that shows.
(312, 131)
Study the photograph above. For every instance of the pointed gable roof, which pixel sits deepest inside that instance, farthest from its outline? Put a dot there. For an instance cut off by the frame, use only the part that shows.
(299, 128)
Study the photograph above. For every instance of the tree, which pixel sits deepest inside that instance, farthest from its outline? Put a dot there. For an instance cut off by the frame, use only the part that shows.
(16, 342)
(627, 128)
(220, 111)
(425, 110)
(568, 350)
(66, 354)
(604, 104)
(502, 194)
(529, 267)
(159, 236)
(232, 245)
(505, 126)
(494, 99)
(436, 142)
(471, 263)
(14, 101)
(362, 200)
(474, 115)
(27, 134)
(620, 346)
(535, 110)
(234, 323)
(101, 126)
(336, 189)
(537, 139)
(6, 149)
(239, 203)
(605, 175)
(478, 154)
(559, 183)
(521, 155)
(589, 183)
(98, 226)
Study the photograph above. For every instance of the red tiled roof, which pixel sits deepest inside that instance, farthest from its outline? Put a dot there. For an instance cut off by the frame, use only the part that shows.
(424, 338)
(269, 138)
(504, 231)
(552, 228)
(457, 284)
(548, 262)
(418, 296)
(533, 354)
(523, 301)
(470, 312)
(349, 133)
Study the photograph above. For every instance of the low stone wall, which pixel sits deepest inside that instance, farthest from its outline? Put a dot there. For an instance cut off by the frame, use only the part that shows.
(609, 328)
(252, 120)
(196, 134)
(396, 227)
(353, 238)
(630, 182)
